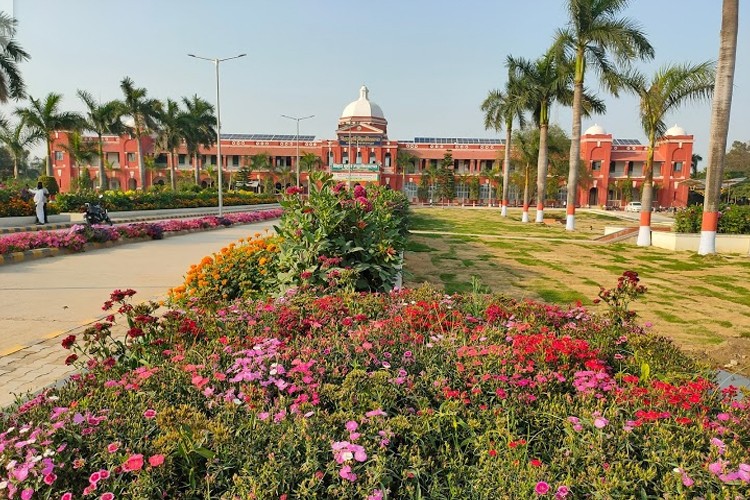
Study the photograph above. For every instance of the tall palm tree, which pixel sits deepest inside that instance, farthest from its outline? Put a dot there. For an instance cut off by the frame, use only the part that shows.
(694, 160)
(670, 87)
(16, 139)
(171, 132)
(11, 82)
(198, 130)
(45, 117)
(503, 108)
(80, 151)
(720, 112)
(102, 119)
(309, 162)
(526, 151)
(143, 112)
(548, 80)
(403, 160)
(595, 32)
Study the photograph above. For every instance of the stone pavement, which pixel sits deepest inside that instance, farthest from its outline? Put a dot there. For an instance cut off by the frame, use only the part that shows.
(41, 301)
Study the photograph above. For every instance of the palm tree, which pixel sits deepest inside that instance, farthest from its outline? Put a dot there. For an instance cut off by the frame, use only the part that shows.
(172, 120)
(11, 82)
(670, 87)
(403, 160)
(548, 80)
(80, 151)
(594, 31)
(198, 130)
(309, 162)
(45, 117)
(143, 112)
(720, 112)
(102, 119)
(694, 160)
(503, 109)
(526, 151)
(16, 138)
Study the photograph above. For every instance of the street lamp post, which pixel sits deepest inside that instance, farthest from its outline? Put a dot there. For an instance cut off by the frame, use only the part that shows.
(216, 62)
(298, 119)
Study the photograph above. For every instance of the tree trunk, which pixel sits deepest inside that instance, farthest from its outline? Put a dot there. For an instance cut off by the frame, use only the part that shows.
(196, 169)
(575, 143)
(49, 157)
(525, 214)
(506, 168)
(103, 181)
(644, 232)
(720, 112)
(15, 167)
(541, 177)
(141, 166)
(172, 180)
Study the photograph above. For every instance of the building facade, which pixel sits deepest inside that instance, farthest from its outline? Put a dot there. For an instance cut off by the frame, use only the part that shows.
(361, 151)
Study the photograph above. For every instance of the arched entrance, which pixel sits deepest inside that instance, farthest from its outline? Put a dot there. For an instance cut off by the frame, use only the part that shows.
(132, 184)
(593, 197)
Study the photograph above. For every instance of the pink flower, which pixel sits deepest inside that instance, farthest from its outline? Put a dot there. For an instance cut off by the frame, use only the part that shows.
(50, 478)
(376, 495)
(113, 447)
(562, 492)
(149, 413)
(107, 496)
(541, 488)
(95, 477)
(351, 426)
(346, 473)
(67, 496)
(156, 460)
(600, 422)
(27, 493)
(133, 463)
(723, 417)
(375, 413)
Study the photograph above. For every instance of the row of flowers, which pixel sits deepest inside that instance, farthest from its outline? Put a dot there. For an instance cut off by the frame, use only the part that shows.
(410, 394)
(75, 238)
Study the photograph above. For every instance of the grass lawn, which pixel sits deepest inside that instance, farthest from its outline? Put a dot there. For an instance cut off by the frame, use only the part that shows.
(703, 303)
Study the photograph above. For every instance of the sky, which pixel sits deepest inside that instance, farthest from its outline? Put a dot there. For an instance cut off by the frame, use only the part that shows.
(428, 64)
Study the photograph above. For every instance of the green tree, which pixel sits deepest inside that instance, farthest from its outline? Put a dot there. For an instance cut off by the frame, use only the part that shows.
(526, 151)
(737, 160)
(11, 54)
(45, 117)
(102, 119)
(694, 160)
(17, 139)
(198, 129)
(242, 180)
(548, 80)
(502, 109)
(593, 36)
(474, 188)
(81, 152)
(423, 190)
(720, 113)
(143, 112)
(670, 87)
(172, 122)
(406, 163)
(309, 162)
(447, 180)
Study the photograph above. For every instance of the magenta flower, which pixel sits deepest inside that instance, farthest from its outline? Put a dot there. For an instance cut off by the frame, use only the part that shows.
(351, 426)
(375, 495)
(107, 496)
(27, 494)
(149, 413)
(562, 492)
(541, 488)
(113, 447)
(600, 422)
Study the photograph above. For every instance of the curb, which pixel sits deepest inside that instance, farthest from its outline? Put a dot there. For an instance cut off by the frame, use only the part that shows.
(40, 253)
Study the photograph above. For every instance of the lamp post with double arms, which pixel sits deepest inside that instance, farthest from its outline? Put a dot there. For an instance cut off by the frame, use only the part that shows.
(298, 119)
(216, 62)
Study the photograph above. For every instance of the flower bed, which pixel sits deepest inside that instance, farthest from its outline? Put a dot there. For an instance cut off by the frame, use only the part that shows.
(77, 236)
(410, 394)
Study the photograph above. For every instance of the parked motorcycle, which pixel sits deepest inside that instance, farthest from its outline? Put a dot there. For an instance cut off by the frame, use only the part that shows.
(96, 213)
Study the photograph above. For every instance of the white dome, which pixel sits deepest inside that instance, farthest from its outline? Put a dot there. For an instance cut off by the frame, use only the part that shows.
(362, 106)
(675, 130)
(595, 130)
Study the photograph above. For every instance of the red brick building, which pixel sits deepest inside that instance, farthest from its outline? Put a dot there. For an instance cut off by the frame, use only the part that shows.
(362, 152)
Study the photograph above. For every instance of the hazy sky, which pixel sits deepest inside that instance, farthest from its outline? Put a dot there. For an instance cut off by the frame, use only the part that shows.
(428, 63)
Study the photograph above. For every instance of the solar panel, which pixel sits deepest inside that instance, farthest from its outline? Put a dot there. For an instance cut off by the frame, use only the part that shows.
(455, 140)
(266, 137)
(626, 142)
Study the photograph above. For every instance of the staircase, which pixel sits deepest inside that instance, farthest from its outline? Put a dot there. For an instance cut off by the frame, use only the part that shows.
(620, 235)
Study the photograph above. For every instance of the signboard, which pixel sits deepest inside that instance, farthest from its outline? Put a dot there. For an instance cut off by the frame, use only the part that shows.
(363, 140)
(355, 167)
(356, 176)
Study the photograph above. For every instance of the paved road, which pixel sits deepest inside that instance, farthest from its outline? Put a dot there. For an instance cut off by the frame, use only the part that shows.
(41, 300)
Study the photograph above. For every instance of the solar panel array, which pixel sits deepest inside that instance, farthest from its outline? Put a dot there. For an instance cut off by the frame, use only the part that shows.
(626, 142)
(456, 140)
(266, 137)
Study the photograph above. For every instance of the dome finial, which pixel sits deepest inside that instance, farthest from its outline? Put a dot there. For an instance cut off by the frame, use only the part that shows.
(364, 93)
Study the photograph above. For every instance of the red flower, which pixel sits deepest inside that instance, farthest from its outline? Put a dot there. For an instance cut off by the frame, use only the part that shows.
(156, 460)
(71, 359)
(535, 462)
(493, 453)
(68, 341)
(133, 463)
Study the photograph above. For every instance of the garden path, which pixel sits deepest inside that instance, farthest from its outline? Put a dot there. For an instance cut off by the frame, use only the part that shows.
(42, 300)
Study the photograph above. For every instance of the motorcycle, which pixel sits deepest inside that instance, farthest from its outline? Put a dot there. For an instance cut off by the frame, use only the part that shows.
(96, 213)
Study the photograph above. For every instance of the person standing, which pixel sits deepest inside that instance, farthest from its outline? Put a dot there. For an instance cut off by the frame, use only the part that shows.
(40, 200)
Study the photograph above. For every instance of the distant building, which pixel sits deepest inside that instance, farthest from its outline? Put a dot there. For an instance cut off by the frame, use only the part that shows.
(362, 152)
